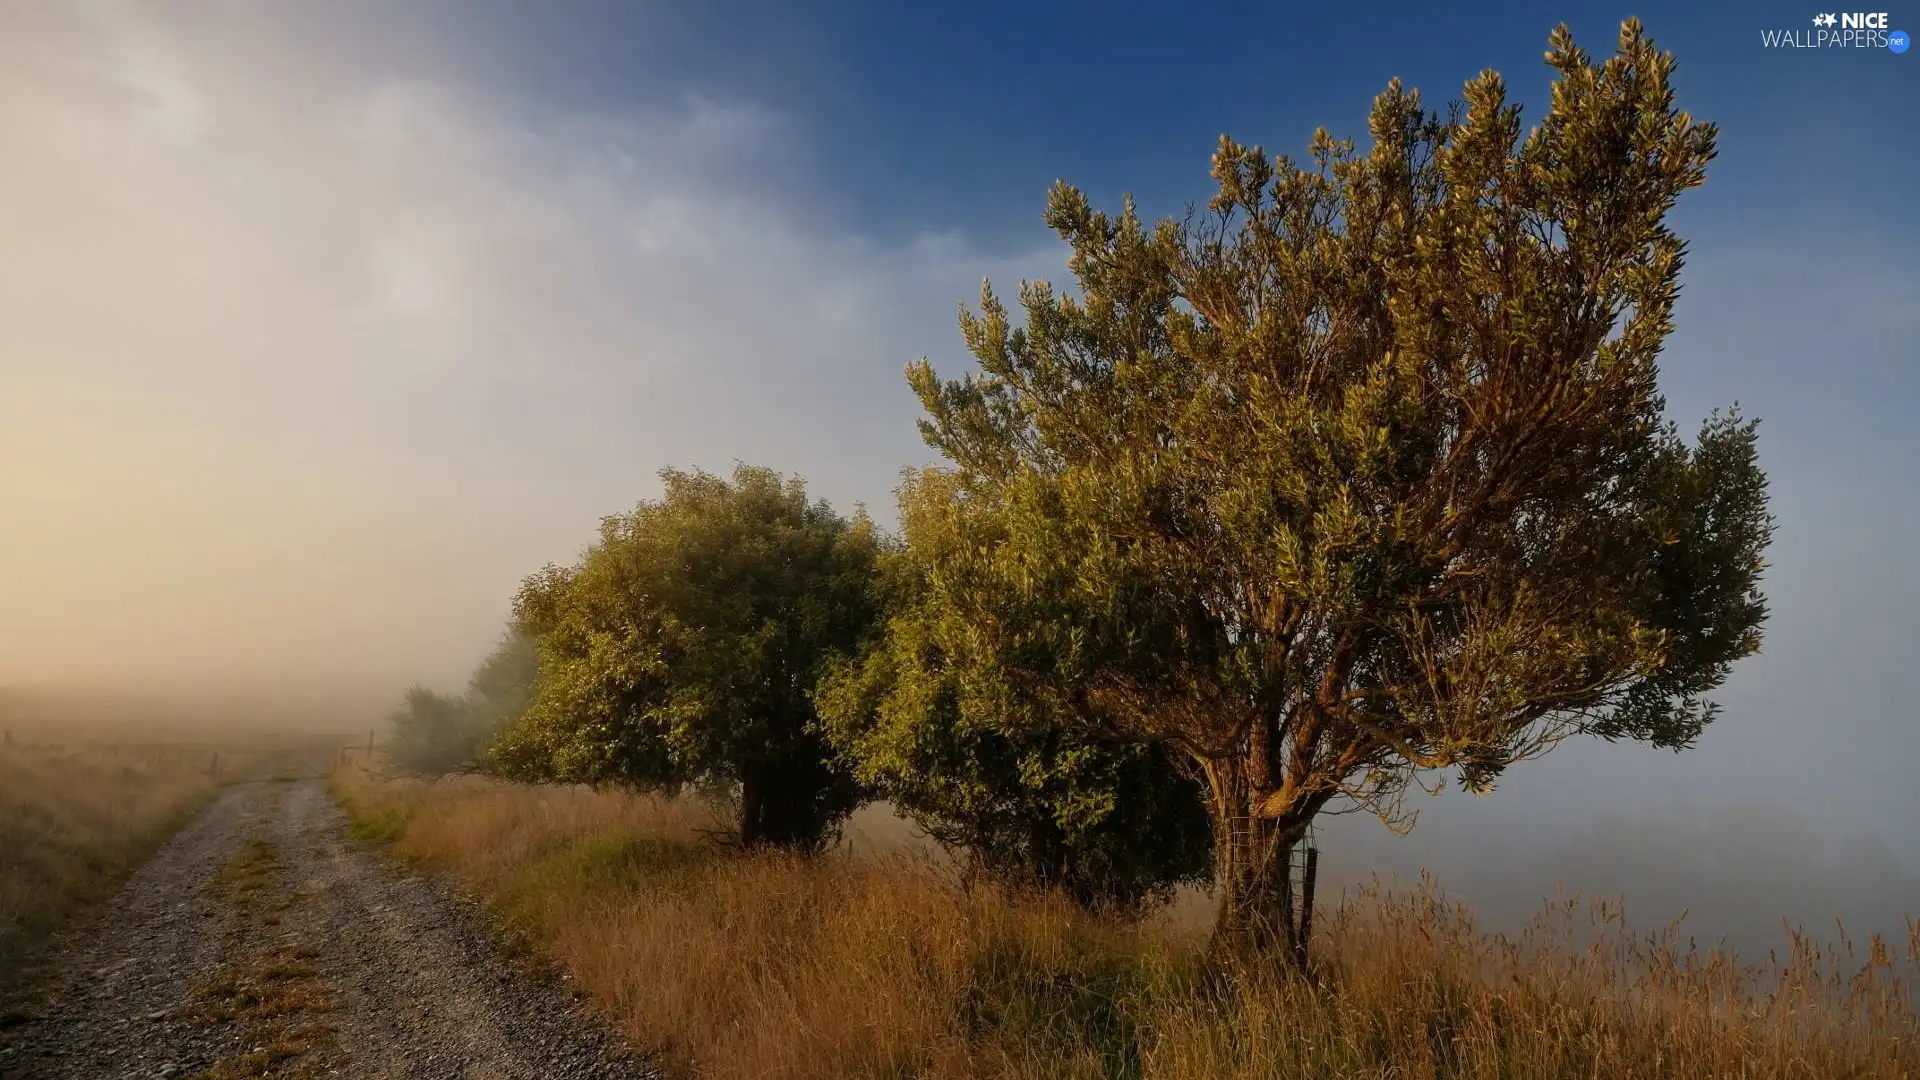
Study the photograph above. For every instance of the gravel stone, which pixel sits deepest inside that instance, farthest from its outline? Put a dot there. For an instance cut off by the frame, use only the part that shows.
(421, 992)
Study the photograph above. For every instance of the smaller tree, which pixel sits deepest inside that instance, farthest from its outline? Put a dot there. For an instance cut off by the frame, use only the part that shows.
(992, 774)
(684, 647)
(432, 732)
(502, 686)
(440, 733)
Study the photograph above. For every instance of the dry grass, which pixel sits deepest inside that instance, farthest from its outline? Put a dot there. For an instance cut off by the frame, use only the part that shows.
(762, 966)
(75, 815)
(83, 799)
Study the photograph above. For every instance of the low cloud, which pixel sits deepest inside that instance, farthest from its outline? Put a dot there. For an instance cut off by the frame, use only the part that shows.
(1733, 873)
(305, 365)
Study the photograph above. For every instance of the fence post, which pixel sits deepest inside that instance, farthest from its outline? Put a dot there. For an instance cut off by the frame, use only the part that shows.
(1306, 903)
(369, 748)
(215, 769)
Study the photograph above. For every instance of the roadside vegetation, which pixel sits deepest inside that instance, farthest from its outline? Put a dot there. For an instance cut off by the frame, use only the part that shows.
(769, 965)
(76, 815)
(439, 733)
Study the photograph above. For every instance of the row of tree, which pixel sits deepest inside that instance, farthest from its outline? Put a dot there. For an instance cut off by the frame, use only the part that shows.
(1355, 480)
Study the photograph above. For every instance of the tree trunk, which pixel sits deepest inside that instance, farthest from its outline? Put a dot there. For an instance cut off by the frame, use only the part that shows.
(777, 804)
(753, 811)
(1255, 921)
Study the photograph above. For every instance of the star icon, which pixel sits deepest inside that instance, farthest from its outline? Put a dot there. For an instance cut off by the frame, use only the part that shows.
(1824, 20)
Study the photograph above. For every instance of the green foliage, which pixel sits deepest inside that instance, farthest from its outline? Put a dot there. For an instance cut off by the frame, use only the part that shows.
(683, 649)
(378, 830)
(985, 771)
(1361, 475)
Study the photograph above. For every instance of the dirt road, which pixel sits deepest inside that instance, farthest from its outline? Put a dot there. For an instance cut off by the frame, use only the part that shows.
(258, 942)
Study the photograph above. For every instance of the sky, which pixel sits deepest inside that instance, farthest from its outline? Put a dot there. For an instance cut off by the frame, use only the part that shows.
(322, 325)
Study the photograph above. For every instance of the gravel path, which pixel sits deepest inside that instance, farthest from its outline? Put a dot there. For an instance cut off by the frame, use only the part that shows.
(258, 943)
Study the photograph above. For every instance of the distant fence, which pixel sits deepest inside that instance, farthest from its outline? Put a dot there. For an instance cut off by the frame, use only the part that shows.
(223, 761)
(348, 752)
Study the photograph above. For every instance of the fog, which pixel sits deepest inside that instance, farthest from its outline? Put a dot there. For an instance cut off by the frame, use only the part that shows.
(313, 363)
(315, 338)
(1736, 876)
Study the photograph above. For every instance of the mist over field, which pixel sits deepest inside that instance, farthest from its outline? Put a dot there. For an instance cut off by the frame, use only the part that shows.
(318, 333)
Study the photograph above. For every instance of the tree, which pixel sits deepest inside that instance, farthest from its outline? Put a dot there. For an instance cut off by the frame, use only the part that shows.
(1360, 477)
(684, 647)
(432, 732)
(986, 773)
(502, 686)
(439, 733)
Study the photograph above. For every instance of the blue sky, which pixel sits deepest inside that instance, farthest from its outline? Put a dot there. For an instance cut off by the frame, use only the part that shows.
(904, 120)
(919, 116)
(325, 323)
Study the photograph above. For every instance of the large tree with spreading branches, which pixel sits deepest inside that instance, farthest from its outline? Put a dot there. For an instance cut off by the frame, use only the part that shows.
(1360, 476)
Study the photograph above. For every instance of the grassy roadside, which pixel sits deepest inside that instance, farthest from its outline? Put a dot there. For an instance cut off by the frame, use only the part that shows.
(80, 807)
(75, 818)
(763, 966)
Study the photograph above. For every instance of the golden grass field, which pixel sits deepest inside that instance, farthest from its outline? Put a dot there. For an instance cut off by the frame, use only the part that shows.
(86, 794)
(765, 966)
(75, 817)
